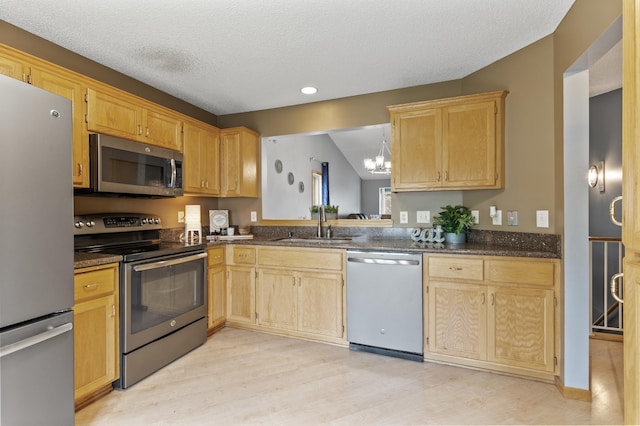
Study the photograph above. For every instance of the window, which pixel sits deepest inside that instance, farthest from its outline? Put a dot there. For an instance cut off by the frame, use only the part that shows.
(384, 200)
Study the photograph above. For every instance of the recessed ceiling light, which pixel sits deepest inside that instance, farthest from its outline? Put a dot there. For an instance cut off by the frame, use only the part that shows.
(308, 90)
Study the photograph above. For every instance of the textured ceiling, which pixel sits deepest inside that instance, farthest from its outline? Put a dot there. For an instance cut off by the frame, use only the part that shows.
(244, 55)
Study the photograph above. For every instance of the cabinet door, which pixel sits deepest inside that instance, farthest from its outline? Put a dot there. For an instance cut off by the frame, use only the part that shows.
(239, 159)
(416, 150)
(320, 304)
(69, 87)
(469, 145)
(192, 160)
(241, 291)
(520, 327)
(113, 115)
(217, 296)
(162, 129)
(277, 304)
(95, 332)
(201, 159)
(457, 319)
(230, 156)
(210, 167)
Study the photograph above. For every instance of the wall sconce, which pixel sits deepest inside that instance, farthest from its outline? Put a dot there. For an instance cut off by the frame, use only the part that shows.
(595, 176)
(192, 223)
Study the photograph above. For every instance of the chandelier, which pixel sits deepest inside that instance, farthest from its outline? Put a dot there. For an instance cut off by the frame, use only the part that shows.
(378, 165)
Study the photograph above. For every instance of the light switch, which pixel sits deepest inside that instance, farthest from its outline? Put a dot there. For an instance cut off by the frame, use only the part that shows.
(423, 216)
(404, 217)
(542, 218)
(512, 218)
(476, 216)
(497, 218)
(181, 216)
(254, 216)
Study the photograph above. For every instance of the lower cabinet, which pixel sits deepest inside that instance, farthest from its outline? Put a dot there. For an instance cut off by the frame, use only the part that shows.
(96, 343)
(216, 289)
(493, 313)
(291, 291)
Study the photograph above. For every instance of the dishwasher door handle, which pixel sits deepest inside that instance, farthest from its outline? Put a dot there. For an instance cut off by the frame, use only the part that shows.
(377, 261)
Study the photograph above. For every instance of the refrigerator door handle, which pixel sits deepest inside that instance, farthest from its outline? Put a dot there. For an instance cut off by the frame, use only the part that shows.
(34, 340)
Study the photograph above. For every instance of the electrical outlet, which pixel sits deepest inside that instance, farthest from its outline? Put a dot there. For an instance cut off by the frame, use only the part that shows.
(181, 216)
(476, 216)
(497, 218)
(254, 216)
(404, 217)
(512, 218)
(423, 216)
(542, 218)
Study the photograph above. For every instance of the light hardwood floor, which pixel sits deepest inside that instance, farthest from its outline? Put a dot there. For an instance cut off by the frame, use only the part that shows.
(244, 377)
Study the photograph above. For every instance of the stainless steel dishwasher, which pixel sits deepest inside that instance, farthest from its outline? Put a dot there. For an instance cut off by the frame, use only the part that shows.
(384, 303)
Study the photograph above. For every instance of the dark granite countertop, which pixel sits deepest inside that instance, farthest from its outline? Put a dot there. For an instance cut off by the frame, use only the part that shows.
(84, 260)
(406, 244)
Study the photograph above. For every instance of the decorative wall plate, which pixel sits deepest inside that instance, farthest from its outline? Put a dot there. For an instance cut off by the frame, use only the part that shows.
(291, 178)
(278, 166)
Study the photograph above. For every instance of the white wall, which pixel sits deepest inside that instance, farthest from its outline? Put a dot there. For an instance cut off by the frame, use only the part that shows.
(283, 201)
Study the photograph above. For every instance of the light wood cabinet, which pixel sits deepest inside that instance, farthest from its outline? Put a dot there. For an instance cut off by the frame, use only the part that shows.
(290, 291)
(117, 113)
(631, 206)
(239, 147)
(301, 290)
(201, 166)
(454, 143)
(241, 285)
(61, 82)
(96, 342)
(217, 289)
(494, 313)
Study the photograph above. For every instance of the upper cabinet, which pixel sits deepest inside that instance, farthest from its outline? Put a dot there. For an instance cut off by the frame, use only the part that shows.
(201, 158)
(116, 113)
(61, 82)
(239, 147)
(454, 143)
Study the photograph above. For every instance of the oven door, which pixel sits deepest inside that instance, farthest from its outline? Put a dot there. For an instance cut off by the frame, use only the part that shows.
(161, 295)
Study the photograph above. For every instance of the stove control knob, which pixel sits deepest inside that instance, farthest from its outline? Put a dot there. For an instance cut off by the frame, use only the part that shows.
(144, 220)
(150, 220)
(91, 223)
(79, 224)
(156, 221)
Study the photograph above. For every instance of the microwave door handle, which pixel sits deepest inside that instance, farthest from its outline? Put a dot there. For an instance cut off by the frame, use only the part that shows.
(172, 184)
(165, 263)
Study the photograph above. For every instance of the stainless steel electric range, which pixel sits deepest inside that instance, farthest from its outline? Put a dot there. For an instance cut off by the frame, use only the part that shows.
(163, 301)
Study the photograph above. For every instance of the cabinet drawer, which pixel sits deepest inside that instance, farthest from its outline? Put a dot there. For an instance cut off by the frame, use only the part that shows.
(305, 258)
(521, 272)
(94, 283)
(456, 268)
(215, 256)
(244, 255)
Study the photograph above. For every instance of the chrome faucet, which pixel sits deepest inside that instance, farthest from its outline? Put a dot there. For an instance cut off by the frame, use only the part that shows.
(321, 218)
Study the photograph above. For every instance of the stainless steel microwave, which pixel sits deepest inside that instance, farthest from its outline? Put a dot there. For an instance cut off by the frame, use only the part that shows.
(120, 166)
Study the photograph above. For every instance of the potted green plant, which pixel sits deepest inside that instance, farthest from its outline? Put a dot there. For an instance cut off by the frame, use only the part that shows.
(455, 222)
(330, 212)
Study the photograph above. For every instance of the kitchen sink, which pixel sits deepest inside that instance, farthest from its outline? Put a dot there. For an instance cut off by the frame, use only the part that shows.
(315, 240)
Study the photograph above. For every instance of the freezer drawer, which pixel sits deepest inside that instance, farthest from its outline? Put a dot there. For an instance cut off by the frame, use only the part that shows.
(36, 372)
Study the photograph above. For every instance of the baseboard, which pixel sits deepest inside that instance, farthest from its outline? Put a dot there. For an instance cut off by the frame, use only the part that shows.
(573, 393)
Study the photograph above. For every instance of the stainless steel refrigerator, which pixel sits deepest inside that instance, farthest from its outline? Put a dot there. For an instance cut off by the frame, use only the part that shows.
(36, 257)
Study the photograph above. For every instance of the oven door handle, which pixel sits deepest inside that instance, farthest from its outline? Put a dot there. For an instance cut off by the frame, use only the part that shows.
(165, 263)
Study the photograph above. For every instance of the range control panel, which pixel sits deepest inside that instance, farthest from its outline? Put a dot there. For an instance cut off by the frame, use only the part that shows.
(114, 222)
